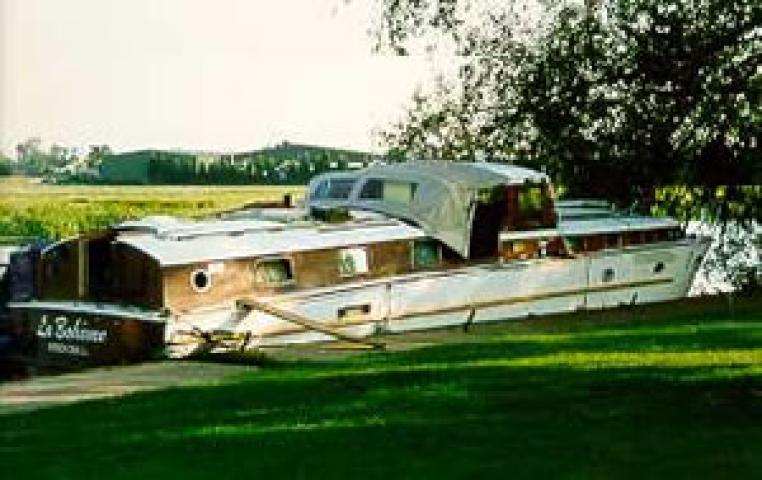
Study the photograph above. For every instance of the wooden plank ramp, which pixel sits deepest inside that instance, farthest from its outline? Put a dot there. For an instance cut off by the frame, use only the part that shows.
(308, 323)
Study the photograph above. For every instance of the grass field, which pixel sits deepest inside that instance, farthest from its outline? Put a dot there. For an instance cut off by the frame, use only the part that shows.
(659, 392)
(29, 209)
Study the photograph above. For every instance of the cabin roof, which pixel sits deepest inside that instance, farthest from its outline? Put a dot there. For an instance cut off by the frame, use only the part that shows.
(614, 224)
(225, 240)
(444, 198)
(472, 175)
(175, 228)
(583, 216)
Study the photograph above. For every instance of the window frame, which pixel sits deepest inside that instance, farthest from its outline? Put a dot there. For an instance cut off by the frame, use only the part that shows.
(260, 261)
(379, 187)
(361, 194)
(192, 280)
(365, 250)
(440, 255)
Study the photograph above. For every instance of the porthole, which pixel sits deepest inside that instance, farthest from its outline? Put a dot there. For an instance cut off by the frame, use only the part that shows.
(608, 275)
(200, 280)
(659, 267)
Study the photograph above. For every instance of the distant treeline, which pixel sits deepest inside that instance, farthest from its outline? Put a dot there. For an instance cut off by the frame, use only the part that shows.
(286, 164)
(6, 168)
(222, 173)
(283, 164)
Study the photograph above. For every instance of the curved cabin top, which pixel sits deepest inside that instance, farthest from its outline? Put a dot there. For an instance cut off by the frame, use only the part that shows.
(463, 205)
(374, 223)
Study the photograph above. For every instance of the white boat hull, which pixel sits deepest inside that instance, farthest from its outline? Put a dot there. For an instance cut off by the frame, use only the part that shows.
(475, 294)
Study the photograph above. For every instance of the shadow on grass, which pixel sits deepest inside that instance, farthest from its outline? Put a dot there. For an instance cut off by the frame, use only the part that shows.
(680, 399)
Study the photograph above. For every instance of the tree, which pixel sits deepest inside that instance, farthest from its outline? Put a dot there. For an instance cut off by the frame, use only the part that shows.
(652, 94)
(30, 156)
(653, 104)
(96, 154)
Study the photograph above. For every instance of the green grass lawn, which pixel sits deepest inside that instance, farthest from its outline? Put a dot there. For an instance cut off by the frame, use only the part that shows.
(660, 392)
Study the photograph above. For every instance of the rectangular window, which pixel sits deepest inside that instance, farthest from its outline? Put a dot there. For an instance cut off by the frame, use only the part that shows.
(426, 254)
(612, 240)
(575, 244)
(338, 188)
(274, 272)
(399, 192)
(372, 190)
(389, 191)
(531, 205)
(353, 261)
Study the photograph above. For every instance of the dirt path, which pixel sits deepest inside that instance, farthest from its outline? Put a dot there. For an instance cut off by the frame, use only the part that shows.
(105, 382)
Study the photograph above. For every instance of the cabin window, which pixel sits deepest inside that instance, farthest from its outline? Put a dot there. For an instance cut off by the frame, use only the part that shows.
(389, 190)
(372, 190)
(274, 272)
(399, 192)
(200, 280)
(575, 244)
(531, 202)
(534, 208)
(334, 188)
(528, 207)
(612, 240)
(321, 190)
(426, 254)
(353, 261)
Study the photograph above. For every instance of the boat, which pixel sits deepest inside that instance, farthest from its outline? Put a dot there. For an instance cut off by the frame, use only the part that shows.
(373, 252)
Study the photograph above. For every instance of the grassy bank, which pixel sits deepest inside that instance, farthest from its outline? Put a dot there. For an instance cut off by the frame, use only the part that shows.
(665, 392)
(32, 209)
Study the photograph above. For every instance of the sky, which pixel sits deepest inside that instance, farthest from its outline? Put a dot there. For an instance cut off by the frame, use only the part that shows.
(221, 75)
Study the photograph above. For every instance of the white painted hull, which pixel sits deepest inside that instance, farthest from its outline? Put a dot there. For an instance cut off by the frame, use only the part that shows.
(475, 294)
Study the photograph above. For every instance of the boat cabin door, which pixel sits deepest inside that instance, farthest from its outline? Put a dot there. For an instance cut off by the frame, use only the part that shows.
(488, 219)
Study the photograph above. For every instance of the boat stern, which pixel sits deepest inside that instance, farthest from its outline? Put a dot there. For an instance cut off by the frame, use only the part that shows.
(65, 335)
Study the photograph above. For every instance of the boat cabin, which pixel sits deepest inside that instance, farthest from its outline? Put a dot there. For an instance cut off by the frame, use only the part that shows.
(372, 224)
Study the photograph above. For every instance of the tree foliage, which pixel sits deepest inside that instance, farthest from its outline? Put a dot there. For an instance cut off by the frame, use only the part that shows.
(33, 159)
(623, 100)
